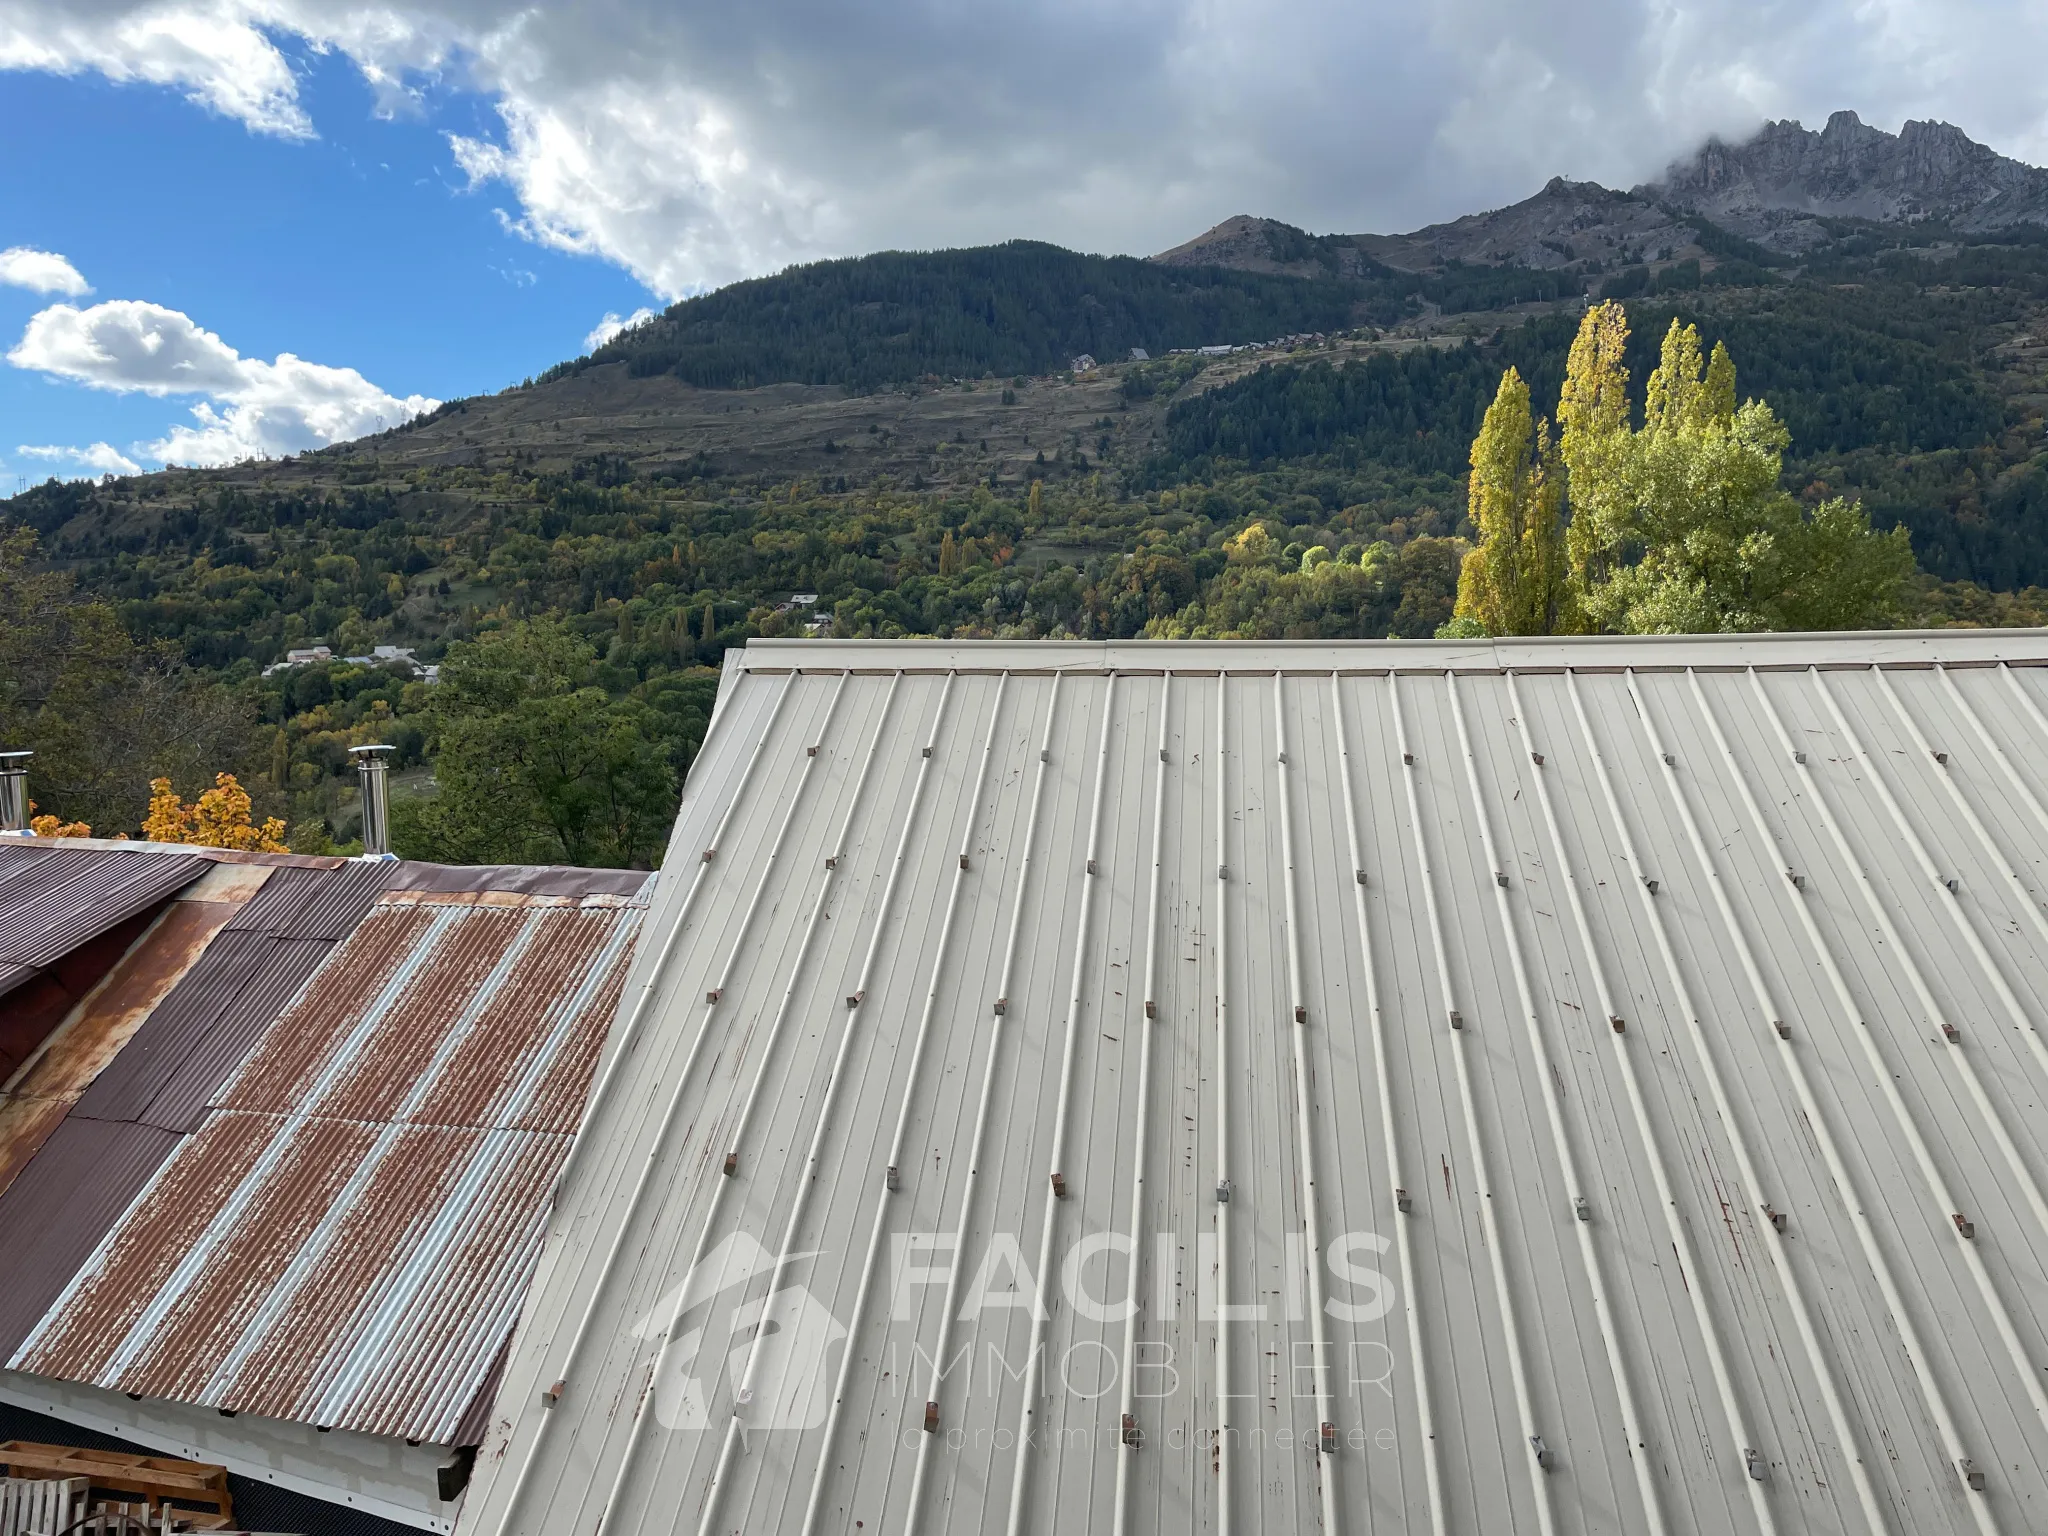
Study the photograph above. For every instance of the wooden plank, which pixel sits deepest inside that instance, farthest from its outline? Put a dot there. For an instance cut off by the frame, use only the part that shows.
(155, 1477)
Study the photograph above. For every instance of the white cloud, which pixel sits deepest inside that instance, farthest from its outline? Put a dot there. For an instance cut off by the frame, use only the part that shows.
(691, 142)
(252, 409)
(94, 458)
(611, 325)
(23, 266)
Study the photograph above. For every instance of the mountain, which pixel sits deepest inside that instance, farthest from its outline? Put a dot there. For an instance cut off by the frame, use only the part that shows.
(904, 436)
(1778, 186)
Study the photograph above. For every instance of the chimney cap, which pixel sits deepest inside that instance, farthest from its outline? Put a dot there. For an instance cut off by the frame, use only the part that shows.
(365, 751)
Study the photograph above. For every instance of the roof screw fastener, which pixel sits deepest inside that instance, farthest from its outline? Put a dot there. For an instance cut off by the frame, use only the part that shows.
(1002, 1005)
(1163, 757)
(553, 1394)
(1582, 1208)
(1953, 884)
(1329, 1438)
(1973, 1475)
(1045, 754)
(1777, 1218)
(1542, 1451)
(853, 999)
(931, 1418)
(1948, 1029)
(714, 994)
(1798, 757)
(1091, 866)
(1964, 1225)
(1941, 758)
(1222, 871)
(1059, 1186)
(1408, 758)
(1670, 761)
(1223, 1191)
(1151, 1009)
(710, 854)
(1129, 1432)
(1650, 886)
(1753, 1460)
(1283, 759)
(926, 753)
(1798, 880)
(1620, 1024)
(1404, 1202)
(810, 751)
(1300, 1014)
(831, 861)
(1500, 879)
(894, 1179)
(1361, 877)
(1457, 1019)
(1536, 758)
(963, 861)
(1784, 1029)
(732, 1164)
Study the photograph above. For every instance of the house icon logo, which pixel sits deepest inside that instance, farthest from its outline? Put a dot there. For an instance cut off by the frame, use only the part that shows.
(720, 1314)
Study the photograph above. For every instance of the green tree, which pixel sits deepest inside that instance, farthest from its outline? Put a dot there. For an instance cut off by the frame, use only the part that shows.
(1681, 527)
(1513, 580)
(537, 764)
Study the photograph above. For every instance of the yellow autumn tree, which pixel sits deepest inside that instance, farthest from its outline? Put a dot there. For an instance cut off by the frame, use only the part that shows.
(55, 826)
(219, 818)
(1595, 442)
(1513, 582)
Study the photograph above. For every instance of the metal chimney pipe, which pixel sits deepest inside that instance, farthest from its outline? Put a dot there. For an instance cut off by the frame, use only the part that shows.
(376, 800)
(14, 791)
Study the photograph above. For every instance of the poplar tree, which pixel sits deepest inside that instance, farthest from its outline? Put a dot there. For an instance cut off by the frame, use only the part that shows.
(1513, 582)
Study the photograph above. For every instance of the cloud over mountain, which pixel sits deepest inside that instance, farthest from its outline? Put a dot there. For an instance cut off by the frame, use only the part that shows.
(695, 143)
(251, 409)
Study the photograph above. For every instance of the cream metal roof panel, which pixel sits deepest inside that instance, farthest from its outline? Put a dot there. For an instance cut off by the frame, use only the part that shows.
(1591, 1026)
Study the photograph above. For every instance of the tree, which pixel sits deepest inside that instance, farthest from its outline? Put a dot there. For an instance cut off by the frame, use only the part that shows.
(219, 818)
(1680, 526)
(535, 763)
(103, 714)
(1513, 580)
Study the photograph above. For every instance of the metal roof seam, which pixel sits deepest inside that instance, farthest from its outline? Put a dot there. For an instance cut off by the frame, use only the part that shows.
(1760, 1199)
(1392, 1176)
(1129, 1434)
(955, 1267)
(814, 1504)
(737, 1137)
(750, 1371)
(1518, 1361)
(1091, 852)
(684, 1079)
(1225, 1432)
(1326, 1412)
(1743, 1441)
(1936, 1398)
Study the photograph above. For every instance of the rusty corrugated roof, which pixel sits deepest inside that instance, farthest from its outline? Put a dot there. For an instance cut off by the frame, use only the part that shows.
(358, 1098)
(52, 901)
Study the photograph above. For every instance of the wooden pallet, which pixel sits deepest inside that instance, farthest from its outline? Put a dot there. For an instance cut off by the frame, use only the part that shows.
(159, 1480)
(41, 1506)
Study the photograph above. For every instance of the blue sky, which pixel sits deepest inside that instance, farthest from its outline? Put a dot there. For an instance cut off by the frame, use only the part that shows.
(296, 218)
(364, 248)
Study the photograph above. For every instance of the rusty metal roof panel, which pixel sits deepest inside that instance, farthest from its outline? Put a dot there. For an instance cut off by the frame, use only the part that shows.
(86, 1173)
(339, 902)
(347, 1236)
(124, 1089)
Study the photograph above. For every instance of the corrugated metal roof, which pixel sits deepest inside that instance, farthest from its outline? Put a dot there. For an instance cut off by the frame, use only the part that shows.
(51, 905)
(1634, 1046)
(347, 1237)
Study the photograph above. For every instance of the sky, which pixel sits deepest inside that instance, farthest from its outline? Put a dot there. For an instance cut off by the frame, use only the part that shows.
(236, 228)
